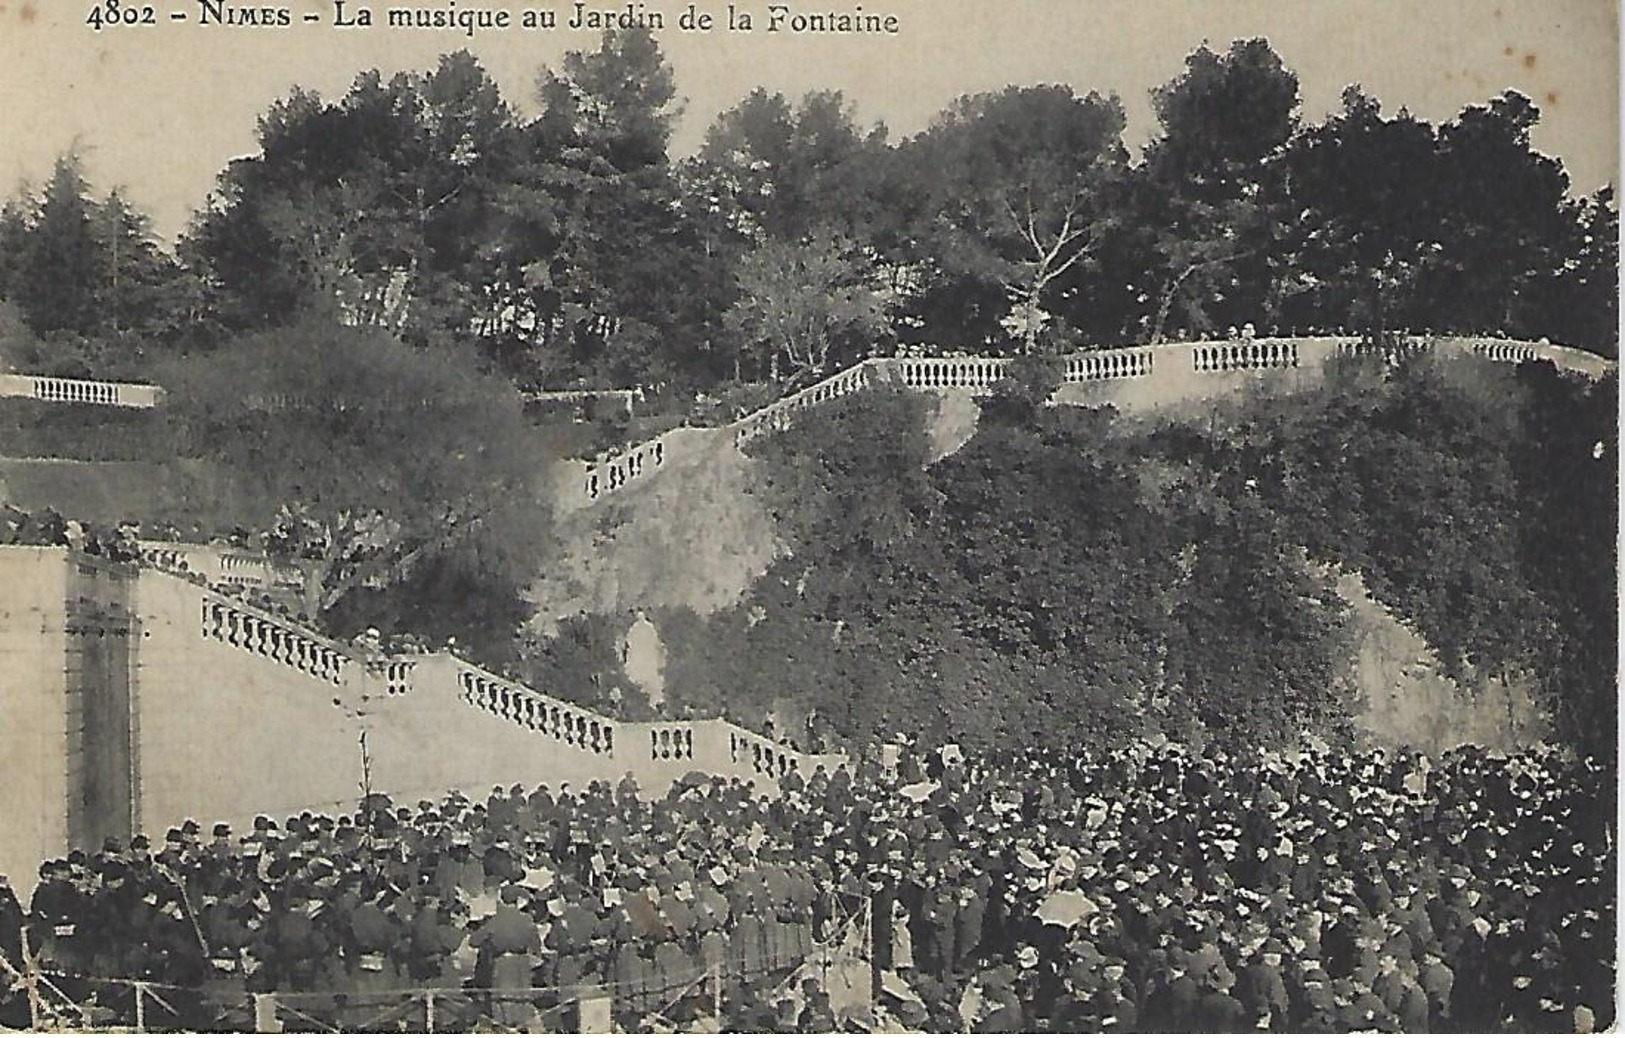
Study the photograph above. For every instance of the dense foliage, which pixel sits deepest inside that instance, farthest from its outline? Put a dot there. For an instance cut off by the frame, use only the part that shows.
(365, 459)
(1069, 575)
(1043, 585)
(1482, 504)
(573, 248)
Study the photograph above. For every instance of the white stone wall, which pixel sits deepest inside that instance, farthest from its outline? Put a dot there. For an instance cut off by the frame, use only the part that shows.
(228, 731)
(235, 712)
(33, 720)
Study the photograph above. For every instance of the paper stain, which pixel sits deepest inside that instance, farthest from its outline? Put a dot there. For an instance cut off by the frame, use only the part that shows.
(28, 13)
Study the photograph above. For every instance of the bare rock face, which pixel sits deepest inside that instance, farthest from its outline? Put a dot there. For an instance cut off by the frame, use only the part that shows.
(693, 536)
(1409, 700)
(643, 657)
(953, 422)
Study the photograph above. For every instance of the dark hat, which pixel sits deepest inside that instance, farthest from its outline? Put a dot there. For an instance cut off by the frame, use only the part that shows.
(222, 829)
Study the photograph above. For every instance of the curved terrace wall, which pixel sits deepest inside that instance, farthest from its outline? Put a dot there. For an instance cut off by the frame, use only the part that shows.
(1130, 377)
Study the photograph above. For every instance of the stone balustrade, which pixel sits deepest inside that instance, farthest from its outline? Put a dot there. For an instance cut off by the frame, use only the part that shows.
(252, 630)
(606, 477)
(80, 391)
(237, 567)
(662, 751)
(654, 752)
(978, 374)
(570, 724)
(759, 755)
(1506, 352)
(1109, 364)
(776, 417)
(949, 372)
(1245, 355)
(397, 675)
(671, 742)
(625, 398)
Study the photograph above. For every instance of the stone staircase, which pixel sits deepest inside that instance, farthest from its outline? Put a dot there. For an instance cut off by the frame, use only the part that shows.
(438, 708)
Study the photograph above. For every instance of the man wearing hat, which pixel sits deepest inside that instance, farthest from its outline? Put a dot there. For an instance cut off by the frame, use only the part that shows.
(56, 908)
(458, 870)
(1262, 988)
(433, 937)
(510, 942)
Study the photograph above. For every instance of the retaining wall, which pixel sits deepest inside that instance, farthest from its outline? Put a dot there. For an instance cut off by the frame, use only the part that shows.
(1131, 377)
(132, 699)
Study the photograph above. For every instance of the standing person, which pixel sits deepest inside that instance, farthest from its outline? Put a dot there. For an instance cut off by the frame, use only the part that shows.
(512, 942)
(972, 905)
(1262, 988)
(14, 1009)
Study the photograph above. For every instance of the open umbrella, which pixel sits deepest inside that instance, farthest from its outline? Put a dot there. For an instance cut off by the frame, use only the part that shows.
(1066, 908)
(919, 790)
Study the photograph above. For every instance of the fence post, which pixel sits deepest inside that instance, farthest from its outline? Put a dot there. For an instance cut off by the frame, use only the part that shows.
(428, 1011)
(140, 1007)
(265, 1015)
(30, 977)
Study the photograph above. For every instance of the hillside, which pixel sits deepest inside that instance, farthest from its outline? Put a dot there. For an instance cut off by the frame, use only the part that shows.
(1074, 575)
(1401, 544)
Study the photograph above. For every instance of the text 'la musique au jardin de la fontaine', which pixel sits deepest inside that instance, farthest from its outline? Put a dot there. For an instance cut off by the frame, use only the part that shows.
(469, 18)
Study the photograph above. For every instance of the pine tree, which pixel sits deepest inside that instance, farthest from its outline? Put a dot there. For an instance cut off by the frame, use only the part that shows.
(58, 285)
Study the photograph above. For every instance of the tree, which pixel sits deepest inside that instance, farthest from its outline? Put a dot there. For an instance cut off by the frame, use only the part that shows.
(799, 301)
(314, 223)
(1366, 191)
(377, 210)
(1580, 303)
(14, 229)
(1019, 398)
(1209, 189)
(59, 286)
(146, 294)
(1025, 179)
(600, 265)
(1504, 228)
(362, 458)
(473, 139)
(785, 171)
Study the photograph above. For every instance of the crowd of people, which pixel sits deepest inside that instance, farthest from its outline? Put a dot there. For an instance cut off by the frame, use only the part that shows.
(1147, 887)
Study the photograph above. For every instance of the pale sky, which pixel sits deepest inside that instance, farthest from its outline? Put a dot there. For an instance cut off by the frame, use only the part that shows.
(159, 110)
